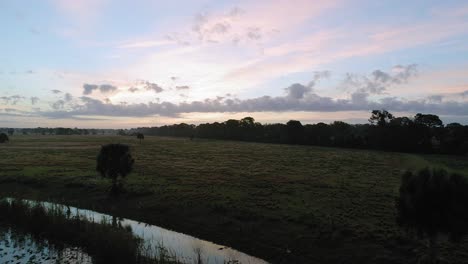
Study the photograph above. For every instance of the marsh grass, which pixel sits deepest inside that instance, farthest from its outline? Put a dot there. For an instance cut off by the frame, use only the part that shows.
(106, 241)
(284, 203)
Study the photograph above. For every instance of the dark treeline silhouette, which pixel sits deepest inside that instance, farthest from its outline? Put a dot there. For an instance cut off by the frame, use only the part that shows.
(424, 133)
(62, 131)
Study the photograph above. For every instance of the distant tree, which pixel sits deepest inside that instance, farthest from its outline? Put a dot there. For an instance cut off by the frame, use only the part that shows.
(4, 138)
(433, 203)
(454, 125)
(114, 160)
(140, 136)
(11, 131)
(380, 117)
(247, 122)
(232, 129)
(428, 120)
(295, 131)
(401, 121)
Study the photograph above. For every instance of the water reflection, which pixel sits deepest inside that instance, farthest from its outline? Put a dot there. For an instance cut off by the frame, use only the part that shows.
(157, 240)
(19, 248)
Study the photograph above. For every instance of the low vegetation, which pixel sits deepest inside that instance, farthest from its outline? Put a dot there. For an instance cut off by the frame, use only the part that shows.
(106, 242)
(434, 203)
(283, 203)
(3, 138)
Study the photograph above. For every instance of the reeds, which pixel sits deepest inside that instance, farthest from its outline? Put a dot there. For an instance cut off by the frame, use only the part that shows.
(106, 241)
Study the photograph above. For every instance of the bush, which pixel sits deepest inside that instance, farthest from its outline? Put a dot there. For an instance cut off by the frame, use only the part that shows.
(433, 202)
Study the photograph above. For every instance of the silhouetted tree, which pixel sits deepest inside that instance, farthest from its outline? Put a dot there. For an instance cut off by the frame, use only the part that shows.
(295, 131)
(114, 160)
(385, 132)
(433, 203)
(4, 138)
(11, 131)
(380, 117)
(428, 120)
(140, 136)
(121, 132)
(401, 121)
(247, 122)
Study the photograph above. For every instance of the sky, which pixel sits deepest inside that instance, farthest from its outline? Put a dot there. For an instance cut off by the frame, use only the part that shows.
(123, 64)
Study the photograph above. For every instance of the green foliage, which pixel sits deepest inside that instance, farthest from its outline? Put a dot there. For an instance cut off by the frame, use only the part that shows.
(380, 117)
(428, 120)
(114, 160)
(295, 131)
(434, 202)
(3, 138)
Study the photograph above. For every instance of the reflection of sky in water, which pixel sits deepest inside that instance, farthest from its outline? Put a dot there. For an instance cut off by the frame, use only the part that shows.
(18, 248)
(185, 247)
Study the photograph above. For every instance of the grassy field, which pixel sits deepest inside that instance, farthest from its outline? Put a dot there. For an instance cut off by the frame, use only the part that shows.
(283, 203)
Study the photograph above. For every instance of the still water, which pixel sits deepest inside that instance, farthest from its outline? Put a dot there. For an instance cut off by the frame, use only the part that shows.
(185, 247)
(20, 248)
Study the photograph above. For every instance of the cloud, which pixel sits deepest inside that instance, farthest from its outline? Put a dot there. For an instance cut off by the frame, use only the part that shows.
(297, 91)
(145, 44)
(12, 100)
(34, 100)
(104, 88)
(56, 91)
(378, 81)
(221, 27)
(11, 112)
(435, 98)
(133, 89)
(298, 97)
(254, 33)
(68, 97)
(152, 87)
(89, 88)
(183, 87)
(58, 105)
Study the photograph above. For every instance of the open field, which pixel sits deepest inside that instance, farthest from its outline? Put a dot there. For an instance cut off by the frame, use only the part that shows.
(283, 203)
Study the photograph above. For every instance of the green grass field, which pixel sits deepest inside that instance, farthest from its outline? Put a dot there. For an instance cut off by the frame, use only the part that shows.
(283, 203)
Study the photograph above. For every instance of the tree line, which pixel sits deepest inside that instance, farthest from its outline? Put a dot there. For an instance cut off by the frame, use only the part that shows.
(61, 131)
(423, 133)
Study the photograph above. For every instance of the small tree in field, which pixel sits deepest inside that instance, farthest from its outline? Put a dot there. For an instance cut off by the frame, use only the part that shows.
(114, 160)
(3, 138)
(140, 136)
(433, 203)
